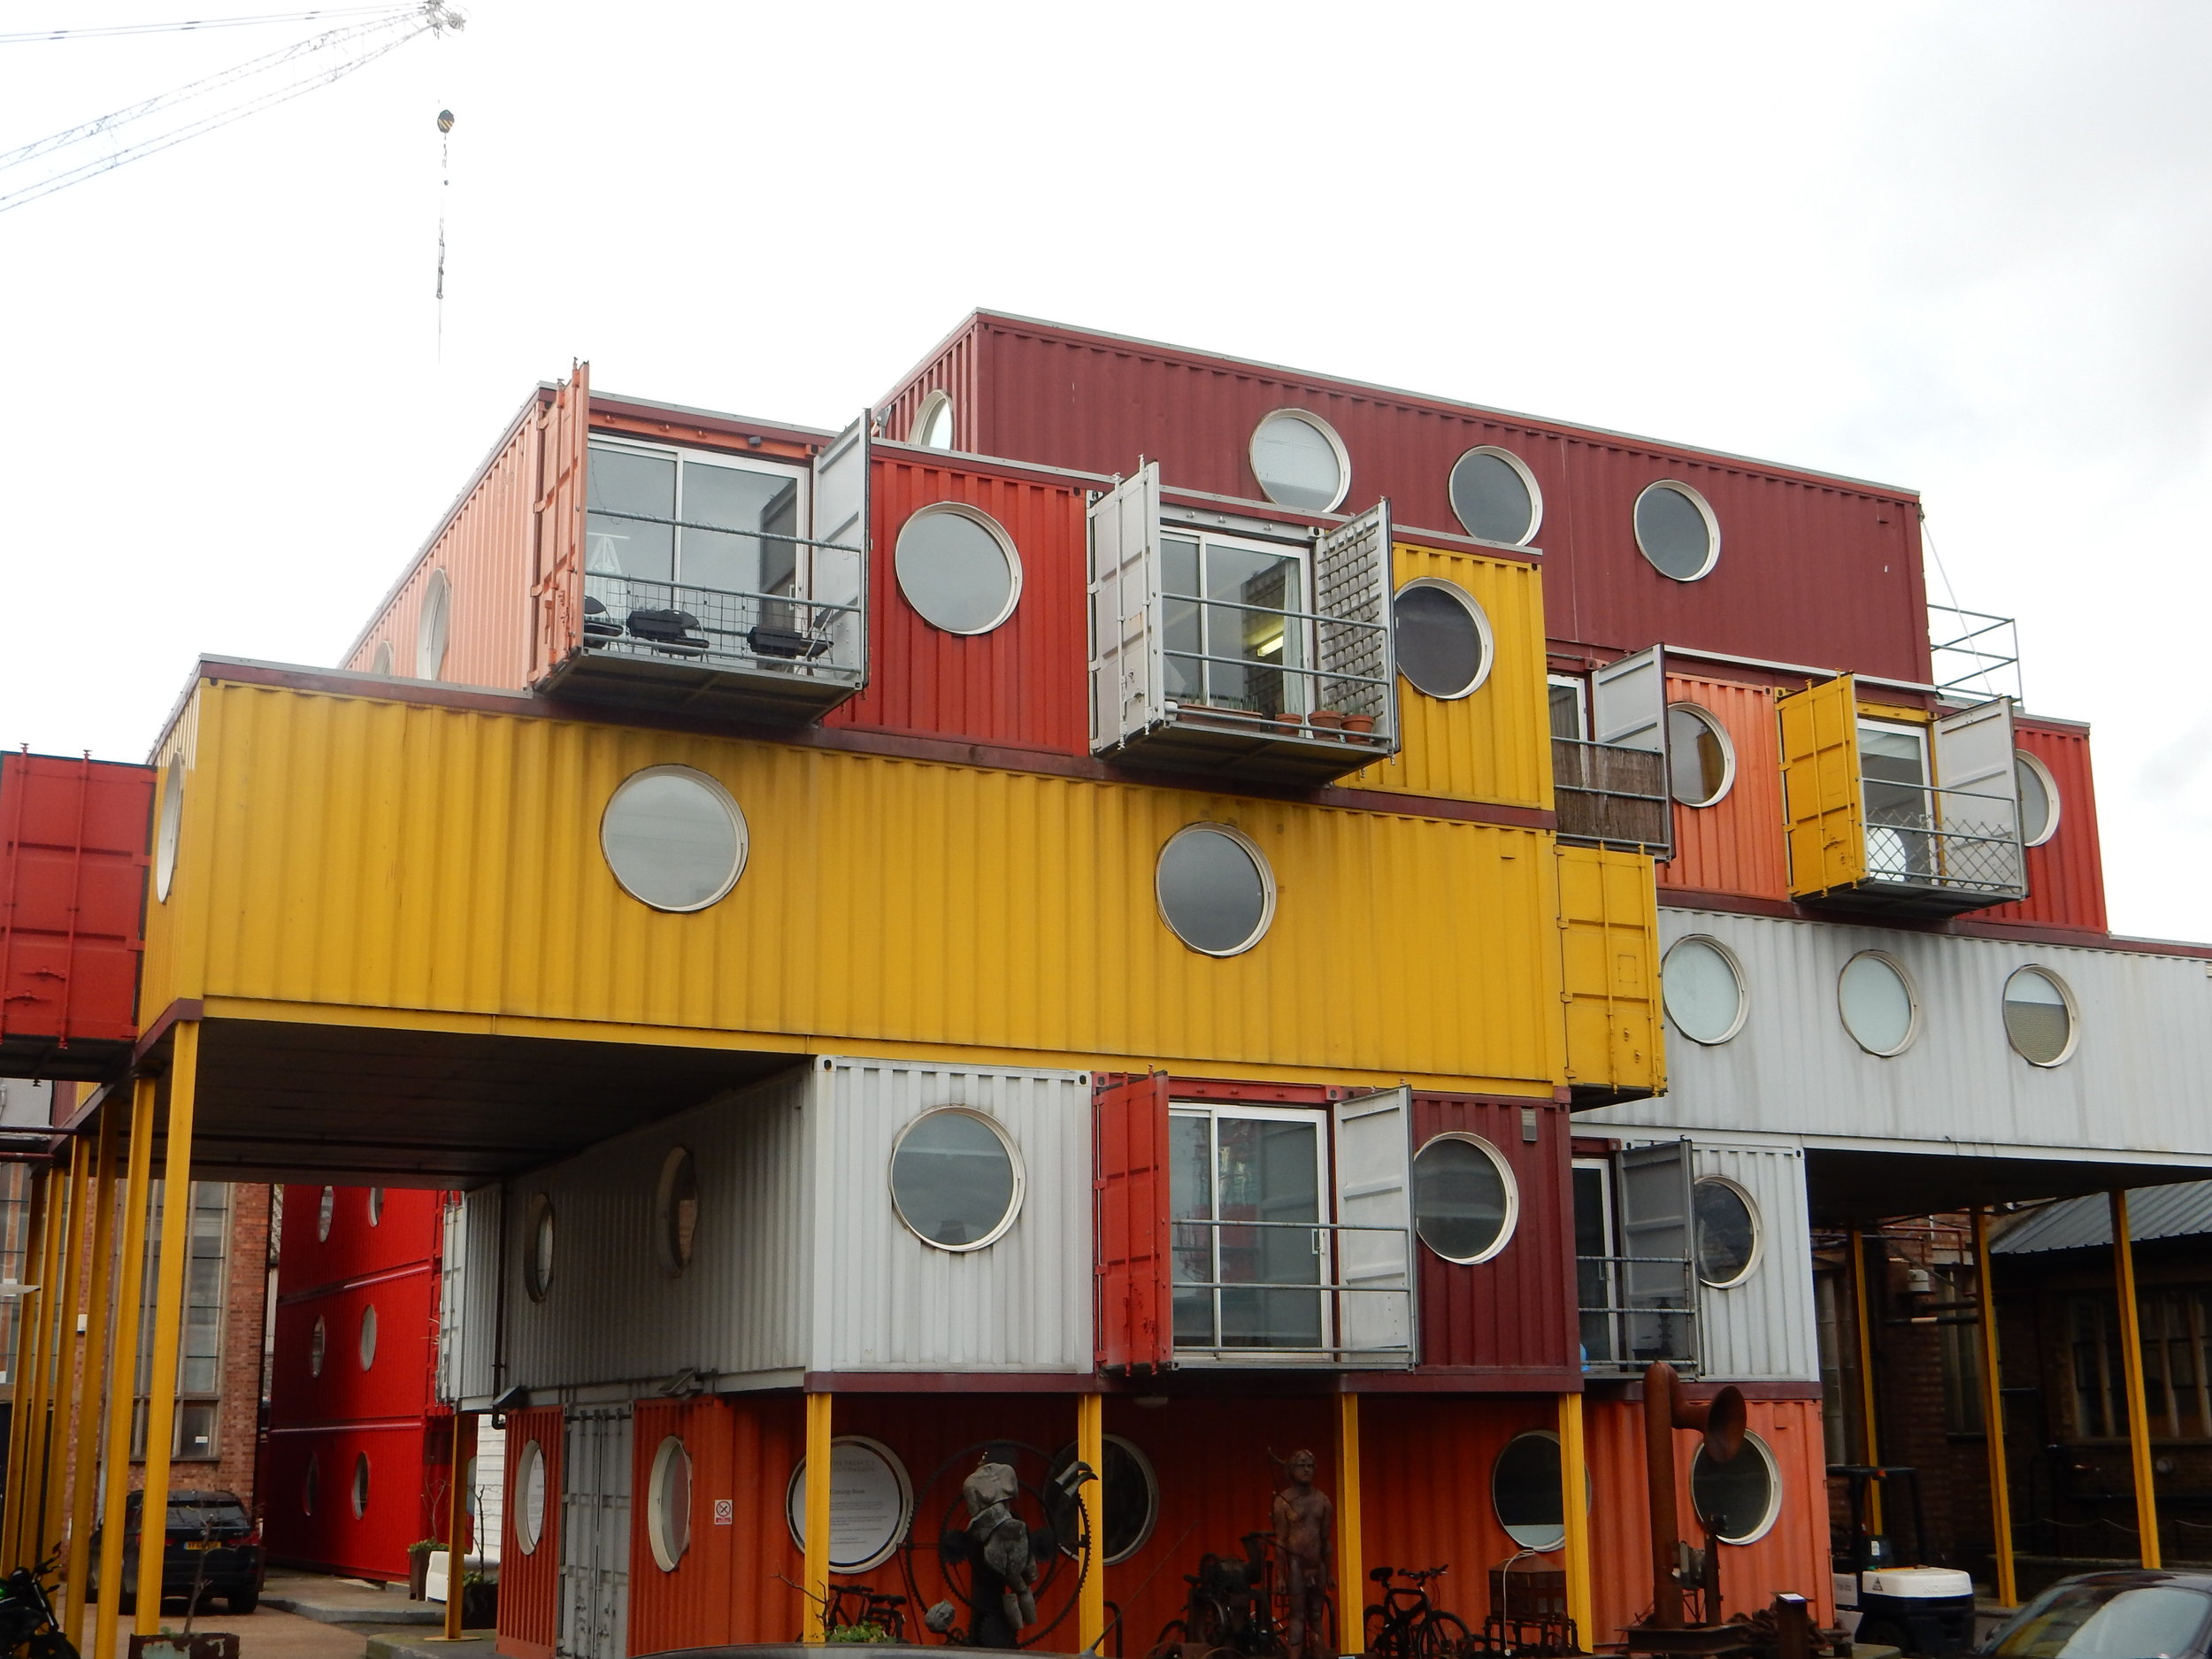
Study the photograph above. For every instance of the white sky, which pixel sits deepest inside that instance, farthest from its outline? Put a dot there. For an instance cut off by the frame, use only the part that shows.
(1963, 247)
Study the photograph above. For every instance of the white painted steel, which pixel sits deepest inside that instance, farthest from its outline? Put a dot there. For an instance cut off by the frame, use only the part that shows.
(1128, 665)
(594, 1534)
(472, 1295)
(1628, 702)
(1374, 1188)
(2134, 1084)
(488, 1491)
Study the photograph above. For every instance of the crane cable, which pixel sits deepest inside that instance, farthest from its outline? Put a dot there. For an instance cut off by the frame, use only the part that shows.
(101, 31)
(362, 43)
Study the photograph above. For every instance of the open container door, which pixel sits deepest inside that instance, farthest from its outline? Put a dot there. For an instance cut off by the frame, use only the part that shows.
(1374, 1212)
(1135, 1313)
(1823, 808)
(557, 575)
(1628, 710)
(838, 561)
(1128, 660)
(1657, 1247)
(1356, 650)
(1978, 801)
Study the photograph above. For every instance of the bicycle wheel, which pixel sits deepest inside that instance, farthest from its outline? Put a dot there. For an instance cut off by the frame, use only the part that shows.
(1440, 1636)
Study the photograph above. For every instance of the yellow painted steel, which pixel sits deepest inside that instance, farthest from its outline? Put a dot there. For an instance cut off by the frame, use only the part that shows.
(68, 1376)
(818, 1517)
(1822, 807)
(1493, 744)
(2132, 1371)
(455, 1524)
(1090, 1447)
(123, 1363)
(40, 1469)
(1863, 1326)
(1993, 1413)
(1884, 712)
(23, 1418)
(1351, 1552)
(161, 1389)
(350, 852)
(1608, 944)
(1574, 1498)
(85, 1446)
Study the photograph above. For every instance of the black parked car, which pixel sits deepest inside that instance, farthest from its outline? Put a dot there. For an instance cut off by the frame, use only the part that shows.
(2138, 1614)
(212, 1541)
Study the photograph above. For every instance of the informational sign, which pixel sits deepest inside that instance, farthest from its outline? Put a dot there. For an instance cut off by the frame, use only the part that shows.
(870, 1503)
(726, 1511)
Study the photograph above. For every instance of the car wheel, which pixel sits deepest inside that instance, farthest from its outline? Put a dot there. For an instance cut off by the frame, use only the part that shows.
(243, 1601)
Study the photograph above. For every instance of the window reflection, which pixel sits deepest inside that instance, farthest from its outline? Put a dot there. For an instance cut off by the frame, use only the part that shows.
(1228, 635)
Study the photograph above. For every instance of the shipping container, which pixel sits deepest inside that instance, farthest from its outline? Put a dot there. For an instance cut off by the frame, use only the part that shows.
(351, 1498)
(2065, 866)
(530, 1549)
(74, 844)
(1736, 844)
(337, 1235)
(1608, 944)
(1811, 568)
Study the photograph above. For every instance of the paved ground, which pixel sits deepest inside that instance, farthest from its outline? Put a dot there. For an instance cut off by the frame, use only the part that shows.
(269, 1634)
(347, 1601)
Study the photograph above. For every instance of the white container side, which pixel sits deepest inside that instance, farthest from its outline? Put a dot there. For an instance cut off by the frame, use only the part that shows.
(889, 1301)
(487, 1490)
(469, 1319)
(2134, 1083)
(612, 1315)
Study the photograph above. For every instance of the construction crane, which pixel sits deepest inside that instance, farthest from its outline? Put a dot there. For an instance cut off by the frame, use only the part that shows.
(56, 161)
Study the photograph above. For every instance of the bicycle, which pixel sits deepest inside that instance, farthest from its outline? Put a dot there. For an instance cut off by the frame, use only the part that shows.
(1407, 1625)
(855, 1606)
(27, 1624)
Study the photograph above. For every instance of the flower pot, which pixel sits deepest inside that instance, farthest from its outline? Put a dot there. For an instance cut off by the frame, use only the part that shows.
(479, 1604)
(199, 1645)
(1361, 723)
(1326, 719)
(418, 1571)
(1289, 719)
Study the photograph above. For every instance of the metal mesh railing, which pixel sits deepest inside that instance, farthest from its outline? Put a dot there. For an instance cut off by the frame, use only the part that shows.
(1637, 1309)
(1292, 1288)
(788, 633)
(1281, 695)
(1953, 839)
(1608, 793)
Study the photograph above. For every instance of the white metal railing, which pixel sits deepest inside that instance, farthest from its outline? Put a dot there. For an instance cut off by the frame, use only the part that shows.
(783, 633)
(1972, 650)
(1331, 1318)
(1285, 692)
(1646, 1309)
(1959, 840)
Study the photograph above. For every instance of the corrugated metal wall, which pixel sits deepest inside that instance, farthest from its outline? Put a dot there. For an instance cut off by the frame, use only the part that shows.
(73, 837)
(886, 1301)
(1493, 744)
(530, 1579)
(2135, 1082)
(1022, 684)
(1517, 1311)
(1608, 947)
(404, 1481)
(476, 1316)
(952, 370)
(2066, 873)
(406, 1235)
(1736, 845)
(1011, 911)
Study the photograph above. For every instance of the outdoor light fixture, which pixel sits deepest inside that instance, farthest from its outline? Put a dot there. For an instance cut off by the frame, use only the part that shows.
(515, 1399)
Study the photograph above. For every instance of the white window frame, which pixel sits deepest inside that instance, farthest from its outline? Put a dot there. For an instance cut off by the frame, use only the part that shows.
(1580, 684)
(1776, 1495)
(1912, 999)
(918, 429)
(1712, 723)
(1297, 681)
(1528, 480)
(1328, 432)
(685, 455)
(1472, 606)
(1325, 1282)
(991, 527)
(1267, 888)
(2035, 764)
(714, 786)
(1496, 1246)
(1013, 1158)
(2073, 1015)
(1696, 499)
(1758, 1233)
(1743, 990)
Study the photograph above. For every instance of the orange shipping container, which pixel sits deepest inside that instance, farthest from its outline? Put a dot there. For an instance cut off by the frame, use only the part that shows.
(1735, 845)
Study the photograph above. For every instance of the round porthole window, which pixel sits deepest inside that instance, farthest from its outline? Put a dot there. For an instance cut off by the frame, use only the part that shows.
(1300, 461)
(430, 628)
(368, 1337)
(382, 663)
(376, 1206)
(676, 1204)
(673, 838)
(668, 1504)
(2039, 798)
(310, 1485)
(537, 1265)
(1878, 1004)
(1215, 890)
(933, 423)
(1703, 989)
(958, 569)
(1443, 639)
(325, 1211)
(1740, 1499)
(955, 1181)
(1129, 1501)
(318, 1345)
(172, 828)
(530, 1492)
(1465, 1199)
(1701, 760)
(871, 1506)
(2040, 1016)
(360, 1485)
(1677, 531)
(1495, 497)
(1727, 1231)
(1527, 1489)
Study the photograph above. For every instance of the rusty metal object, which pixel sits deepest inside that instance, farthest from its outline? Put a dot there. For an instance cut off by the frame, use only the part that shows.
(1721, 1421)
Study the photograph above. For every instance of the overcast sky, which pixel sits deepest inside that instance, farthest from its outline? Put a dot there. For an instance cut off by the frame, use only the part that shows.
(1962, 248)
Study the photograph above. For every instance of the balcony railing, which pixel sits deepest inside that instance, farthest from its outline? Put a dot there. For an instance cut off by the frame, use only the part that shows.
(1611, 796)
(1951, 841)
(1635, 1310)
(1303, 1301)
(1973, 652)
(782, 633)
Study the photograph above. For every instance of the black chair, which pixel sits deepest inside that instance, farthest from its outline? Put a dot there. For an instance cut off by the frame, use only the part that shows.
(671, 633)
(790, 642)
(597, 624)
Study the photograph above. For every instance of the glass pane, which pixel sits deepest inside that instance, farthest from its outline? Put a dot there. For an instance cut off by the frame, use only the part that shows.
(195, 1438)
(1190, 1197)
(1727, 1236)
(622, 481)
(1179, 619)
(1877, 1005)
(1673, 533)
(954, 571)
(1894, 765)
(934, 430)
(1525, 1489)
(1210, 891)
(1296, 464)
(1703, 996)
(1268, 1171)
(952, 1178)
(1566, 711)
(671, 840)
(682, 1220)
(2037, 1020)
(1440, 647)
(1259, 584)
(1593, 1278)
(1697, 757)
(2035, 802)
(1731, 1498)
(742, 501)
(1459, 1198)
(2106, 1620)
(1491, 499)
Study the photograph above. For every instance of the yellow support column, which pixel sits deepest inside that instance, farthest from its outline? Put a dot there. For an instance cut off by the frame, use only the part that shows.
(1993, 1414)
(1863, 1324)
(21, 1438)
(31, 1543)
(130, 1289)
(1351, 1558)
(161, 1387)
(1574, 1489)
(2132, 1363)
(1090, 1447)
(87, 1448)
(457, 1511)
(817, 1515)
(67, 1375)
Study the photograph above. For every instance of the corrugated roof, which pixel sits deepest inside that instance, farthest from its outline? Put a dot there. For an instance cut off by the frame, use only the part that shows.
(2077, 1223)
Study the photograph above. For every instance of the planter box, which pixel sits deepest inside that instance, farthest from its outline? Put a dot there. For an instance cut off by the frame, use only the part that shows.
(210, 1645)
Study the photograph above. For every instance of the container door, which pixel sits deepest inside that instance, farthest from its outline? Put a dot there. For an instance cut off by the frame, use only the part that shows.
(1977, 799)
(839, 564)
(1354, 650)
(1628, 710)
(1656, 1218)
(1128, 665)
(556, 587)
(1136, 1329)
(595, 1535)
(1822, 807)
(1374, 1213)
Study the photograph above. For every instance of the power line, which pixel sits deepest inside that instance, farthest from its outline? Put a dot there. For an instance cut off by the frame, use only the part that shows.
(106, 30)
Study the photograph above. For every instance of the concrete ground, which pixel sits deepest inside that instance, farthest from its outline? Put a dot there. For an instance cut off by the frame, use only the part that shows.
(267, 1633)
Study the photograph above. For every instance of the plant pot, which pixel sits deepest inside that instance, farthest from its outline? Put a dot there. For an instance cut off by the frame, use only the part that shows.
(1360, 723)
(1289, 719)
(1326, 719)
(479, 1605)
(199, 1645)
(418, 1573)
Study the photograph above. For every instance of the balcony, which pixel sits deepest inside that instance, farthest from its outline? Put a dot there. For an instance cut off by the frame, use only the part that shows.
(1294, 1293)
(1607, 795)
(1635, 1310)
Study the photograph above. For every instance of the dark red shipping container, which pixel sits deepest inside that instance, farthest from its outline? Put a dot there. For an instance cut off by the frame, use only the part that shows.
(73, 880)
(2065, 873)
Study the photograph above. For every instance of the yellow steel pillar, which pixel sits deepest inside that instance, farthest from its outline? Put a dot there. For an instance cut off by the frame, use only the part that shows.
(817, 1515)
(1574, 1499)
(2132, 1363)
(161, 1387)
(1869, 1440)
(130, 1289)
(457, 1510)
(65, 1346)
(20, 1438)
(33, 1542)
(1993, 1414)
(87, 1447)
(1351, 1557)
(1090, 1447)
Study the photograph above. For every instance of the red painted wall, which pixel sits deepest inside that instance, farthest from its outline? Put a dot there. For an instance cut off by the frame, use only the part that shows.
(530, 1579)
(2066, 873)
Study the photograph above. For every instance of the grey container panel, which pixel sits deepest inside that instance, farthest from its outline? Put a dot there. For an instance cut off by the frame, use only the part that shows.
(890, 1301)
(1761, 1329)
(2134, 1083)
(471, 1309)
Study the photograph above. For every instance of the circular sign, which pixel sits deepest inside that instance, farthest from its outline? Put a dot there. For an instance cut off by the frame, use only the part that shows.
(870, 1503)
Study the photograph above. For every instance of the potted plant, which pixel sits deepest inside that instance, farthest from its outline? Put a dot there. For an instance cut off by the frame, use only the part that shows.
(419, 1555)
(185, 1645)
(479, 1602)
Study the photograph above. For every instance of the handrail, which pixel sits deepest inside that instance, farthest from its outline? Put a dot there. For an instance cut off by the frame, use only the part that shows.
(716, 529)
(1333, 1279)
